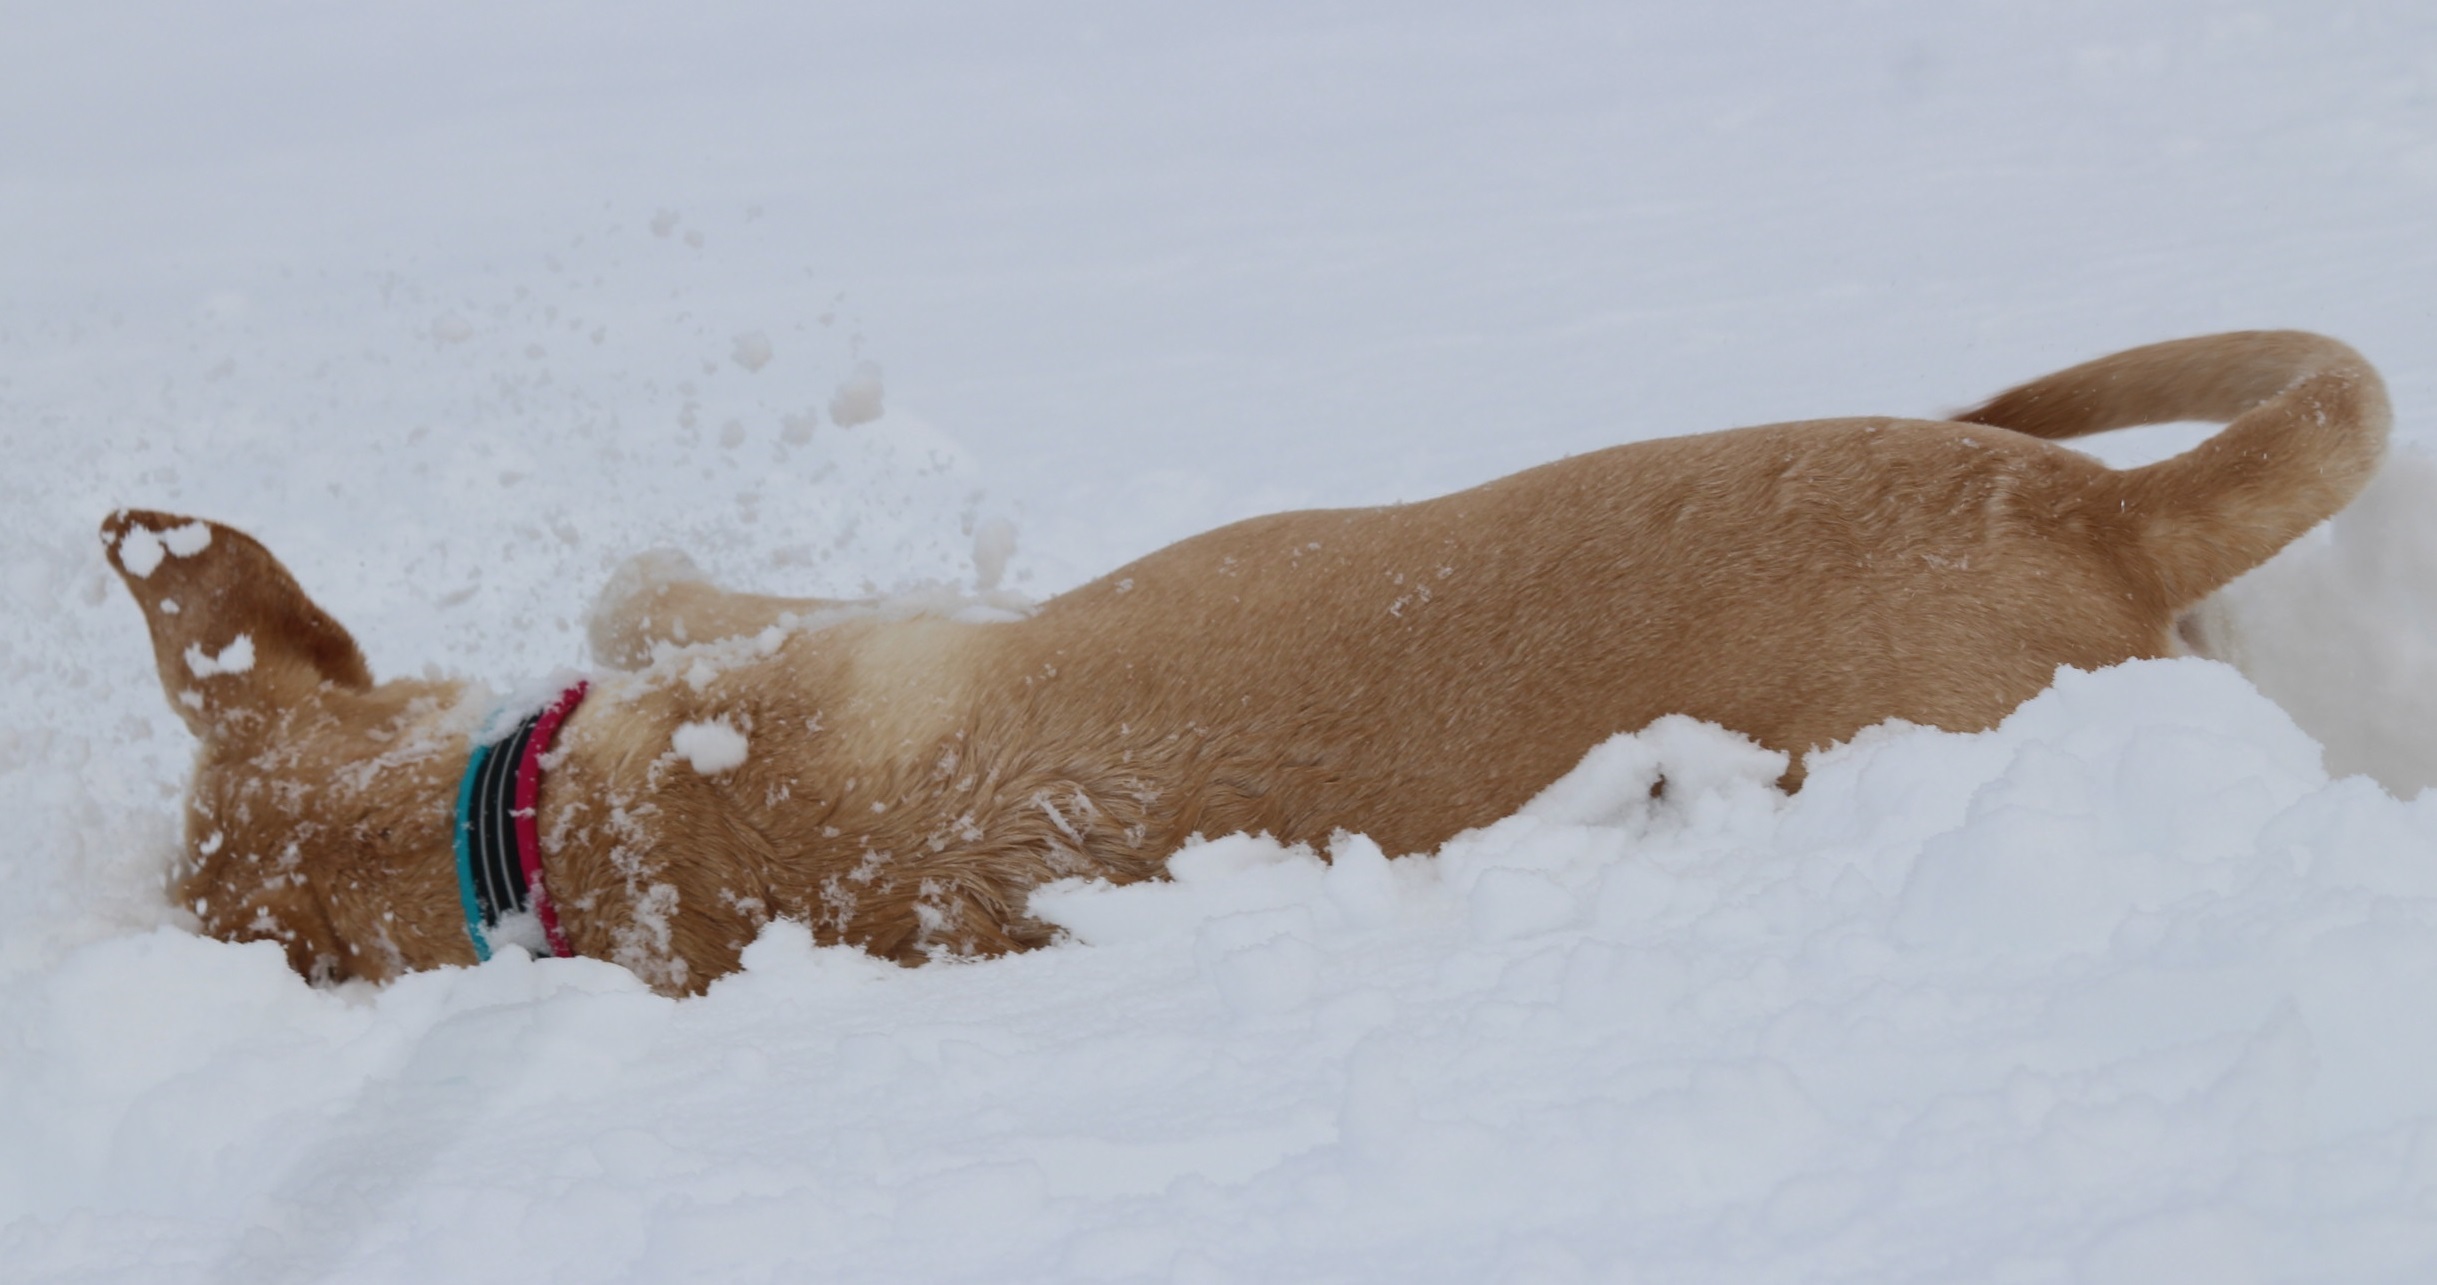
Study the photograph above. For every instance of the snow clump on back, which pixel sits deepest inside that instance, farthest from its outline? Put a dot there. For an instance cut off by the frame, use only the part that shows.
(712, 747)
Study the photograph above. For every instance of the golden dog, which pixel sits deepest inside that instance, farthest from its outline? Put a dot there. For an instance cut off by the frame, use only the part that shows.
(903, 783)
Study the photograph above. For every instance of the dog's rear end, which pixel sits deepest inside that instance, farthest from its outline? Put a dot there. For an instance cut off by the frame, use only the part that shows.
(2307, 424)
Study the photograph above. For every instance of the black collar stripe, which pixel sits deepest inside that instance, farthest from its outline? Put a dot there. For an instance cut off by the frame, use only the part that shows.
(499, 877)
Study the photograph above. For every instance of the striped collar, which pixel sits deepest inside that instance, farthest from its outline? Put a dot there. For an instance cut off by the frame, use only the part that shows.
(499, 853)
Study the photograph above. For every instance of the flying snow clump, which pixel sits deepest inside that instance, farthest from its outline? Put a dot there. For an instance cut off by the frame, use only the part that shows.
(857, 401)
(752, 350)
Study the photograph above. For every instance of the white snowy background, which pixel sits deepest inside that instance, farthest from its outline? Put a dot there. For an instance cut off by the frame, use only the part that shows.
(458, 306)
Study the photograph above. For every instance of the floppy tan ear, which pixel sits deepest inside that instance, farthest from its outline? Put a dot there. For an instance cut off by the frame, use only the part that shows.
(232, 635)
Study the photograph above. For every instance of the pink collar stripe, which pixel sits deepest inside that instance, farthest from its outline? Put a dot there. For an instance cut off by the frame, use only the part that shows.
(526, 809)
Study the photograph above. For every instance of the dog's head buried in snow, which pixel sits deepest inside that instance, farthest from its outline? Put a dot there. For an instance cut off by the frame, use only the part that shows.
(902, 784)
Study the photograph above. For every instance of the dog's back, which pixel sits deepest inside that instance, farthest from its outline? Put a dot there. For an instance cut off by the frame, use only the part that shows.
(1416, 669)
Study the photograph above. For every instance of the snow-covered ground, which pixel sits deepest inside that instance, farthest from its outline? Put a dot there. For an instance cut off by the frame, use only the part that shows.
(458, 309)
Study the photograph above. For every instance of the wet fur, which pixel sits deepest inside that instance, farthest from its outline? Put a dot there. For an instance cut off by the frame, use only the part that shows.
(1407, 671)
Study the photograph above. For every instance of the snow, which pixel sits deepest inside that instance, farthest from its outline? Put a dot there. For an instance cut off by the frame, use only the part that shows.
(1759, 1038)
(142, 549)
(752, 350)
(2336, 630)
(711, 747)
(993, 544)
(2139, 987)
(188, 540)
(235, 658)
(141, 552)
(857, 400)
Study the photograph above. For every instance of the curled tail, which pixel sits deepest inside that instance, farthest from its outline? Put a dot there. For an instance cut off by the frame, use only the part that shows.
(2306, 423)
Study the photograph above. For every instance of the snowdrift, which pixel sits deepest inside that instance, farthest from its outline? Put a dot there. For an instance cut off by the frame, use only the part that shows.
(2127, 989)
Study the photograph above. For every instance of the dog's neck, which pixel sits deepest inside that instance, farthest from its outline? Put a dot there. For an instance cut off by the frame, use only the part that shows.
(498, 848)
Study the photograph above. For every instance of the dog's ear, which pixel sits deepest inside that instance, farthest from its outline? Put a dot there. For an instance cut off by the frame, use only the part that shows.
(232, 634)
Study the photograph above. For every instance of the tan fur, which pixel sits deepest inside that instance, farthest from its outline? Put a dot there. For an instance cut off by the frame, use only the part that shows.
(1407, 672)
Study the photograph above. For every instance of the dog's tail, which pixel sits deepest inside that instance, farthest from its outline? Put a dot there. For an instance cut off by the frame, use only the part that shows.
(2306, 423)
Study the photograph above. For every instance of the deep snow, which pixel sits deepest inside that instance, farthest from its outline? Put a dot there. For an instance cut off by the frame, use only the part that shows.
(456, 311)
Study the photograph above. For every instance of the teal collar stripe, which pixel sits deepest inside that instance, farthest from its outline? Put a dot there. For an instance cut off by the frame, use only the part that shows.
(465, 856)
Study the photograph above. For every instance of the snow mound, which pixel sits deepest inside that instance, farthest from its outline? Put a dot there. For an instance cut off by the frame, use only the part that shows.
(2127, 981)
(2337, 627)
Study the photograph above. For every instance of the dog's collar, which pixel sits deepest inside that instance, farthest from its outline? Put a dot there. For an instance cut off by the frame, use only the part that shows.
(499, 851)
